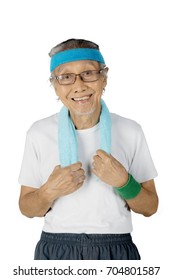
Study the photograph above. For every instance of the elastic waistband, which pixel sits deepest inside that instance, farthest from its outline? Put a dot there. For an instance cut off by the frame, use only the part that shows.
(84, 238)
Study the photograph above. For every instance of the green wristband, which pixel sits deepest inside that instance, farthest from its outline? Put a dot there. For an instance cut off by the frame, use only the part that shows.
(130, 190)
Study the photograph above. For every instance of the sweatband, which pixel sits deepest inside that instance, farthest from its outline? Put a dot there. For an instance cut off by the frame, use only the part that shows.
(74, 55)
(129, 190)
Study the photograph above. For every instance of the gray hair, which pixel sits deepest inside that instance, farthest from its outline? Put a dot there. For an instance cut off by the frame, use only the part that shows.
(74, 44)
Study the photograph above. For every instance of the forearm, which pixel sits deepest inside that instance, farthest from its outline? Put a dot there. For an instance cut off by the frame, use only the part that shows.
(34, 203)
(146, 202)
(62, 181)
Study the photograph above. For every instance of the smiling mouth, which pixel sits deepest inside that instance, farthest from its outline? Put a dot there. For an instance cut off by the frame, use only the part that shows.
(83, 98)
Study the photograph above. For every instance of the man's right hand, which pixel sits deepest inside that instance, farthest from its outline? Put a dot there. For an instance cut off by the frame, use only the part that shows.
(36, 202)
(63, 181)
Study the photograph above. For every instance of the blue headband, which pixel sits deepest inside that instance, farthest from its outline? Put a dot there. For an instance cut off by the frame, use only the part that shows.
(74, 55)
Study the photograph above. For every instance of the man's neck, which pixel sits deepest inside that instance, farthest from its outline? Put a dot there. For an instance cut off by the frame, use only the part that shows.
(84, 121)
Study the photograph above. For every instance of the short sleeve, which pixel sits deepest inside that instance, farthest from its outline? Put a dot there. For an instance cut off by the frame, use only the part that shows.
(29, 173)
(142, 166)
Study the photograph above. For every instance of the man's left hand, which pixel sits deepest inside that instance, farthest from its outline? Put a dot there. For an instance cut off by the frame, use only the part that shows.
(109, 170)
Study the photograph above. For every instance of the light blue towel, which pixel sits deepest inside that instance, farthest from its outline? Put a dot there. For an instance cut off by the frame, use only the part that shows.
(67, 139)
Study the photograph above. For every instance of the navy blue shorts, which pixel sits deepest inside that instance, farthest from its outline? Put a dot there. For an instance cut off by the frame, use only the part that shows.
(69, 246)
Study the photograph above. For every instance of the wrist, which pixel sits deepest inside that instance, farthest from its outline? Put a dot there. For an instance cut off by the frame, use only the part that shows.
(124, 181)
(130, 190)
(45, 195)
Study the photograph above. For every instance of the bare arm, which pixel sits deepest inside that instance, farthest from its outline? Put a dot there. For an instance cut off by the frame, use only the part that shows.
(110, 171)
(146, 202)
(36, 202)
(32, 203)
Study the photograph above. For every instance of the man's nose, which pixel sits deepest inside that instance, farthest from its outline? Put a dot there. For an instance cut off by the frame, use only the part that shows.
(79, 85)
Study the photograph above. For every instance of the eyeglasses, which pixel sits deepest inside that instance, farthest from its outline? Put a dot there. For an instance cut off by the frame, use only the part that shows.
(86, 76)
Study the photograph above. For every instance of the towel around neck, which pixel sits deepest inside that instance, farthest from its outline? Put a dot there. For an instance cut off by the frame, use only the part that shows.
(67, 139)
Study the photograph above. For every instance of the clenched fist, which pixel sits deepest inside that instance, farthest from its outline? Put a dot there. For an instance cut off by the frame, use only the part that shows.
(64, 180)
(109, 170)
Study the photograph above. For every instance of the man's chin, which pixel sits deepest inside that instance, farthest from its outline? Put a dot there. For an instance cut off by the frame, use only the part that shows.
(85, 113)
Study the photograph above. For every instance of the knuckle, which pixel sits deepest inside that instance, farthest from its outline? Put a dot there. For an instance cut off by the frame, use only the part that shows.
(81, 179)
(78, 165)
(108, 160)
(82, 172)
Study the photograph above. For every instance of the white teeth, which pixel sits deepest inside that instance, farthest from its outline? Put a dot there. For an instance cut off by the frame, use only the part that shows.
(81, 98)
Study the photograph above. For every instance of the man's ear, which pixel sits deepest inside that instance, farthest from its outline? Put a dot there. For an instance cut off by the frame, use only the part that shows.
(105, 73)
(104, 83)
(51, 80)
(106, 69)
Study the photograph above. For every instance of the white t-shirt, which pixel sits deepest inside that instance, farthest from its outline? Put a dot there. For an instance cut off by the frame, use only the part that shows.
(94, 208)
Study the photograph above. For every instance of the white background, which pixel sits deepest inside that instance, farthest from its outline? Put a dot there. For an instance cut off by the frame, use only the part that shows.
(136, 40)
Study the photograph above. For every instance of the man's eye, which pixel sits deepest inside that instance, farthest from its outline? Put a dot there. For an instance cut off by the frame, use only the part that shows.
(87, 73)
(65, 77)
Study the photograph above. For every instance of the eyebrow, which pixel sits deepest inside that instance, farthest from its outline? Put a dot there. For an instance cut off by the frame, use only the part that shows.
(61, 67)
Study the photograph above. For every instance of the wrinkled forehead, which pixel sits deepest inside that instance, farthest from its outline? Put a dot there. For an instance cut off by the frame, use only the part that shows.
(75, 55)
(70, 66)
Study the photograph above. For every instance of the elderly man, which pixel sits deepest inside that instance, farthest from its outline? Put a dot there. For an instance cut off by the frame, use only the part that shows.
(84, 169)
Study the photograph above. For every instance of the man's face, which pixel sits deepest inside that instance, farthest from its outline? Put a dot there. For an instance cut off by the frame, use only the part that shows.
(80, 98)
